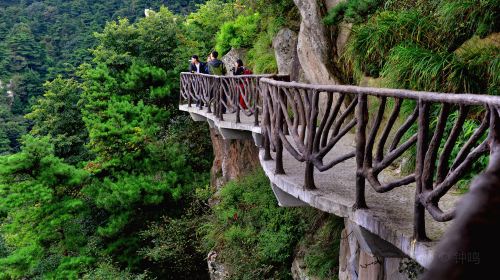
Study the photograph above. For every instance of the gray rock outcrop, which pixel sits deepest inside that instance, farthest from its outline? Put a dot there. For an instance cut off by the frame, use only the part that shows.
(230, 58)
(285, 51)
(314, 46)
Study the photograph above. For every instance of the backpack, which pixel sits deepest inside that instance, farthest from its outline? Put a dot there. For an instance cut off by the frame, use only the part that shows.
(247, 71)
(217, 70)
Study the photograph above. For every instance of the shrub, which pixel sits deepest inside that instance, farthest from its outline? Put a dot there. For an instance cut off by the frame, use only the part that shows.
(372, 42)
(353, 11)
(239, 33)
(464, 18)
(322, 255)
(255, 237)
(261, 56)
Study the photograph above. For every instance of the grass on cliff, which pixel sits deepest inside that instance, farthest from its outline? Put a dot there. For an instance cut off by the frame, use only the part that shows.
(323, 249)
(255, 237)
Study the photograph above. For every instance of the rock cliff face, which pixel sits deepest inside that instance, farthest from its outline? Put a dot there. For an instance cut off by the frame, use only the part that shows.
(232, 159)
(314, 43)
(319, 46)
(285, 51)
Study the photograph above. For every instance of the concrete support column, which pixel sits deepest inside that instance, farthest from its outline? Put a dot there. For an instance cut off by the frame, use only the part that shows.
(364, 256)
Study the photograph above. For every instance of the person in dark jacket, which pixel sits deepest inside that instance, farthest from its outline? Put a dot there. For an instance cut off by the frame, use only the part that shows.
(239, 69)
(215, 66)
(197, 66)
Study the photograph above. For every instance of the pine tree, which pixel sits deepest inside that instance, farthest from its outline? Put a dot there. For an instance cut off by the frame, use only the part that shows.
(58, 115)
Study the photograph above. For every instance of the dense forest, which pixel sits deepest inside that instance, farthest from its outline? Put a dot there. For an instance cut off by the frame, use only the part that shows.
(101, 177)
(42, 39)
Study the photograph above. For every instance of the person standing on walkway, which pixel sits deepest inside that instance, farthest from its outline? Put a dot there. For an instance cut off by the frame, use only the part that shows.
(197, 66)
(215, 66)
(239, 69)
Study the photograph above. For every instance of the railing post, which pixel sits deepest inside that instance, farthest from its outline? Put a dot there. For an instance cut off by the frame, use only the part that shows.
(238, 120)
(264, 127)
(311, 135)
(277, 140)
(285, 125)
(211, 94)
(221, 92)
(362, 116)
(236, 87)
(422, 143)
(257, 97)
(181, 89)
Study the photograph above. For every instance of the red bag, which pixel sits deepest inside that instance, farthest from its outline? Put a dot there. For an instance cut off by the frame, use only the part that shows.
(246, 71)
(242, 101)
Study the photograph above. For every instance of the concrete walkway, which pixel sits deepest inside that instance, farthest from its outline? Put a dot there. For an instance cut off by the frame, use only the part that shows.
(390, 215)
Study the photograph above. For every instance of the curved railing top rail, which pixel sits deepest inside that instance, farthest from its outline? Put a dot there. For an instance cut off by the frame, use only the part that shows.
(457, 98)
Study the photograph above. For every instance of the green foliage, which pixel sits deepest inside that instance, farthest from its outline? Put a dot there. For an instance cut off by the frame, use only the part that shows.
(186, 133)
(255, 237)
(202, 26)
(261, 56)
(239, 33)
(465, 18)
(106, 270)
(57, 115)
(41, 210)
(372, 42)
(140, 173)
(353, 11)
(61, 222)
(410, 66)
(323, 249)
(175, 246)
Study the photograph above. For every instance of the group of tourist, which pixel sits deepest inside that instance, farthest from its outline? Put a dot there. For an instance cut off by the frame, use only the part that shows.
(214, 66)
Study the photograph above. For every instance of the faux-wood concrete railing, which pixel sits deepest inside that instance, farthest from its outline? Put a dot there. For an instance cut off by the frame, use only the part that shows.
(432, 128)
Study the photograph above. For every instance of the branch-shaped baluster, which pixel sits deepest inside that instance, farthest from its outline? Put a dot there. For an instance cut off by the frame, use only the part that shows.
(300, 145)
(403, 129)
(299, 98)
(368, 160)
(266, 122)
(338, 123)
(423, 131)
(336, 135)
(443, 168)
(390, 124)
(331, 118)
(432, 150)
(323, 123)
(457, 173)
(462, 154)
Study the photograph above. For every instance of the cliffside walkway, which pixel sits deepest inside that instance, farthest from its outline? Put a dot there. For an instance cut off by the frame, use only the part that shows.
(321, 144)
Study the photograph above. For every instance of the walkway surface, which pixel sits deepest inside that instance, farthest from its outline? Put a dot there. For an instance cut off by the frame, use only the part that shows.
(390, 215)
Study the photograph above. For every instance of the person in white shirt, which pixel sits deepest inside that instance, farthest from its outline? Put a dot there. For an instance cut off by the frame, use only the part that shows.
(197, 66)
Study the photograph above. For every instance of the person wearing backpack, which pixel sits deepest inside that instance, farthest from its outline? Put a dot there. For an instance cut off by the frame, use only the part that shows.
(215, 66)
